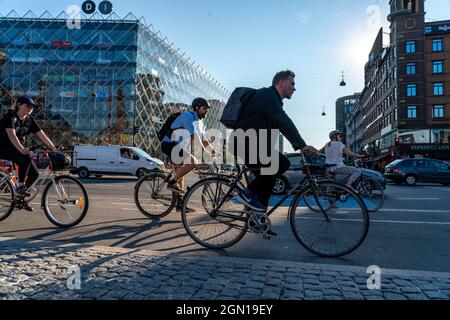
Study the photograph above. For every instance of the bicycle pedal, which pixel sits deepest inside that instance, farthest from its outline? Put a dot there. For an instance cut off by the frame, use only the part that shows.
(267, 237)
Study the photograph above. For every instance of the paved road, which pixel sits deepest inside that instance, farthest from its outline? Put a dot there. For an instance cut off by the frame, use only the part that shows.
(412, 232)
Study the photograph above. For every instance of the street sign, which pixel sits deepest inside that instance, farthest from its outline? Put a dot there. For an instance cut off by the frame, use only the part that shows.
(105, 7)
(88, 7)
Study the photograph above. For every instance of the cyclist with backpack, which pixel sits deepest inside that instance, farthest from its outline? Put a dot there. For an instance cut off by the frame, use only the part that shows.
(263, 110)
(188, 122)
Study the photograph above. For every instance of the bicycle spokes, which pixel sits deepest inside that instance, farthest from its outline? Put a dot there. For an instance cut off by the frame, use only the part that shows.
(330, 222)
(216, 221)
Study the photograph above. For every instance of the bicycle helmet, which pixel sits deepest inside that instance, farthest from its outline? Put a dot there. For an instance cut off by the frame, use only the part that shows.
(200, 102)
(335, 133)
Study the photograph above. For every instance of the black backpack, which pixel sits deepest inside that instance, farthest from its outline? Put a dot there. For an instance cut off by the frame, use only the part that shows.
(166, 131)
(235, 105)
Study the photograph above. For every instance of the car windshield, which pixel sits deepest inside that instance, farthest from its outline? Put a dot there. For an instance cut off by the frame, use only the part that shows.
(396, 162)
(141, 152)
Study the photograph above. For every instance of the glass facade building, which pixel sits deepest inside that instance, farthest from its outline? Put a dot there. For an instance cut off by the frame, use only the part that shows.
(112, 81)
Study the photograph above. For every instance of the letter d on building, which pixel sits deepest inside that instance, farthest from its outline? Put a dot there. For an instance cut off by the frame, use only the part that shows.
(74, 280)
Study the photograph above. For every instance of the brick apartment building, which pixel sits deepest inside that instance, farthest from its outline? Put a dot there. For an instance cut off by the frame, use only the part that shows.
(405, 104)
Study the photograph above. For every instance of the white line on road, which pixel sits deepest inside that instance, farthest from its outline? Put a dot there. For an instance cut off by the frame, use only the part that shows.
(438, 188)
(380, 221)
(412, 222)
(123, 204)
(418, 199)
(413, 210)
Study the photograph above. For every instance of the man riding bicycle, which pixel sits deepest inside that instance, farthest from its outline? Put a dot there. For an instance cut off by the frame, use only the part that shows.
(15, 125)
(264, 111)
(188, 124)
(334, 151)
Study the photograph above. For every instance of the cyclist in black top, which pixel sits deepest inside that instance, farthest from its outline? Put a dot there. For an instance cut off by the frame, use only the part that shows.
(15, 125)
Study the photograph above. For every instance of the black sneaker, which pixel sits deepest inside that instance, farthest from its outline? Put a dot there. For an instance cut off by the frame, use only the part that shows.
(271, 233)
(175, 188)
(27, 207)
(22, 192)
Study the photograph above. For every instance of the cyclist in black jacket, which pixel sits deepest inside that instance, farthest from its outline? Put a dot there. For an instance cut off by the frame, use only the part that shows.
(265, 111)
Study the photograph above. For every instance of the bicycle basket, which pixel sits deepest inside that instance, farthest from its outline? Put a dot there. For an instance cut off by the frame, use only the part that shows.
(60, 161)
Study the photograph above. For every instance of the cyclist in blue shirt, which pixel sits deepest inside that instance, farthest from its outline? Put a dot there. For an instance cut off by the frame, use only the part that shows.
(175, 147)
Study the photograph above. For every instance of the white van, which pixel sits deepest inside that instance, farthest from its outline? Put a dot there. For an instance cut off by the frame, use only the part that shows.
(113, 160)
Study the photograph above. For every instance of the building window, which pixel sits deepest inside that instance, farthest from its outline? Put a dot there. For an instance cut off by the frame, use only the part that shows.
(411, 47)
(438, 89)
(411, 90)
(412, 112)
(437, 45)
(411, 68)
(438, 66)
(438, 111)
(395, 94)
(394, 72)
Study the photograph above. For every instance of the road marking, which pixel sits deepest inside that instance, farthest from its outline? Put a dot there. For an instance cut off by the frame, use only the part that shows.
(413, 210)
(438, 188)
(128, 209)
(419, 199)
(412, 222)
(123, 204)
(382, 221)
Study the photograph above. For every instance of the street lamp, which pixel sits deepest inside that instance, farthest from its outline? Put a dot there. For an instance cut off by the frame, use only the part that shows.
(342, 84)
(323, 113)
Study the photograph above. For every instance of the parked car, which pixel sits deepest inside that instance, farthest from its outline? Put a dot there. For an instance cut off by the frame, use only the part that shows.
(411, 171)
(291, 178)
(113, 160)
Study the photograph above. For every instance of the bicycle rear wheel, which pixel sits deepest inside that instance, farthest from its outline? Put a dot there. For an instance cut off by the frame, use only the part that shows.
(152, 197)
(65, 202)
(6, 197)
(208, 225)
(335, 231)
(372, 194)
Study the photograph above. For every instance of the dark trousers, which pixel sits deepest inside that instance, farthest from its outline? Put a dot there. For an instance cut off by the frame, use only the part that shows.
(263, 185)
(26, 166)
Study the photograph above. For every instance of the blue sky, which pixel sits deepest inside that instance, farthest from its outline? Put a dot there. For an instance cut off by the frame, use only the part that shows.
(245, 42)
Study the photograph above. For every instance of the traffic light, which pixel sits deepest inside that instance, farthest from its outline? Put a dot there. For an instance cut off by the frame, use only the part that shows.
(397, 141)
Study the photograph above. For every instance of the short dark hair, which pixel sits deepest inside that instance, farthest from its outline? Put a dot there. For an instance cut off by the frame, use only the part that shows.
(282, 75)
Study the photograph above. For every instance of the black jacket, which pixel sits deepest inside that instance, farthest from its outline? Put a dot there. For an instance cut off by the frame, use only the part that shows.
(265, 111)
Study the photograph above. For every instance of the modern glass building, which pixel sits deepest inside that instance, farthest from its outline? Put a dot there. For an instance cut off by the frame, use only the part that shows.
(111, 81)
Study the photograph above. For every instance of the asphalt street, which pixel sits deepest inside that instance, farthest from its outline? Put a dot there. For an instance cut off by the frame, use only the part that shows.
(411, 232)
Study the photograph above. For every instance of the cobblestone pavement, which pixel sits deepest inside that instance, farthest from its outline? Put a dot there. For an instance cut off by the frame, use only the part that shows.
(43, 270)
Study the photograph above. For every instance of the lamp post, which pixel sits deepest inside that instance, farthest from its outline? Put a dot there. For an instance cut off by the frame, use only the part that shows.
(343, 84)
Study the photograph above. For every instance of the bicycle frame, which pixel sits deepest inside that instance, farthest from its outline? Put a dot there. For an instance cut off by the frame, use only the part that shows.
(300, 187)
(41, 181)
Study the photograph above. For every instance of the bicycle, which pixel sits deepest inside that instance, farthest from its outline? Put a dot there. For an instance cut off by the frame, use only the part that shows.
(331, 231)
(368, 188)
(64, 198)
(152, 197)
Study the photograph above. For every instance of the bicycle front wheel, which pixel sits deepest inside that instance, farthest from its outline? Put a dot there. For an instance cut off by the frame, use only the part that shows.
(210, 224)
(372, 194)
(65, 202)
(6, 197)
(152, 197)
(337, 224)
